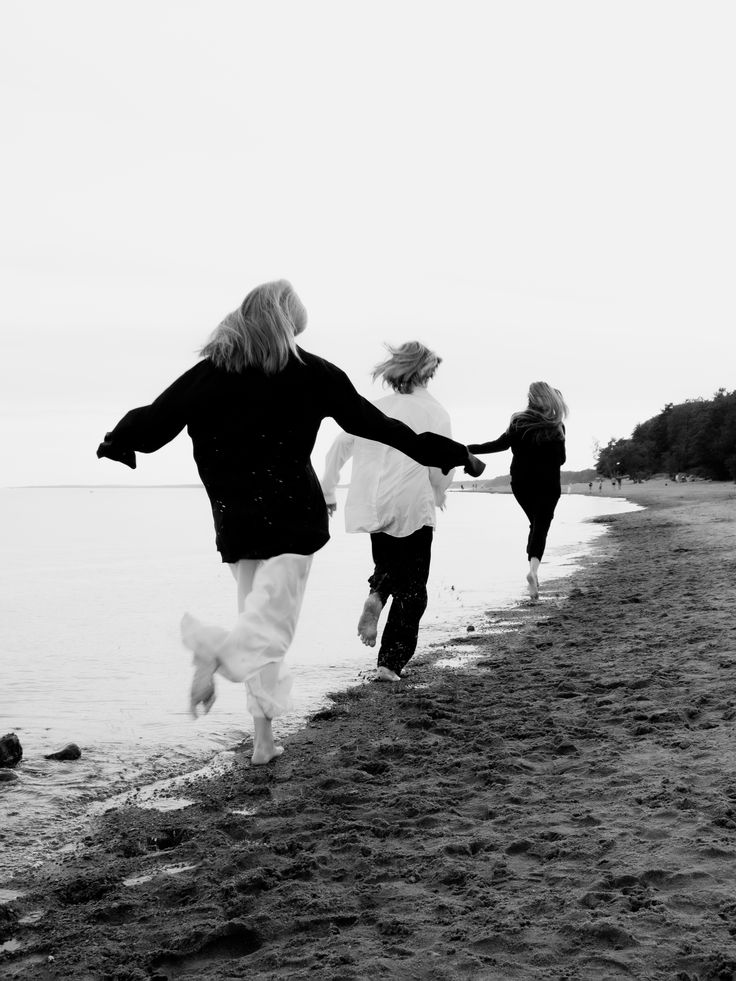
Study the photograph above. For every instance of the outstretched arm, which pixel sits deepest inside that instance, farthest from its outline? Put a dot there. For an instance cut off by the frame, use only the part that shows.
(148, 428)
(438, 480)
(495, 446)
(358, 416)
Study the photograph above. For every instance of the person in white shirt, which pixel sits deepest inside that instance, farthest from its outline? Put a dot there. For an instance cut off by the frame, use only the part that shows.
(394, 500)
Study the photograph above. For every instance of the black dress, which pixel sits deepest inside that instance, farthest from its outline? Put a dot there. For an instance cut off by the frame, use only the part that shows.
(252, 436)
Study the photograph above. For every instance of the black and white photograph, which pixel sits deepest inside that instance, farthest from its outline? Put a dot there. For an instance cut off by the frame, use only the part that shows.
(368, 580)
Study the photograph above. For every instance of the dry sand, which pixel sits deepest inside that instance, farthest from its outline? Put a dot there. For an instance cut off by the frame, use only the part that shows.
(561, 807)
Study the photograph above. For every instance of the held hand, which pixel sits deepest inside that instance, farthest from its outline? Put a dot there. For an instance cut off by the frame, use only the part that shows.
(474, 467)
(331, 508)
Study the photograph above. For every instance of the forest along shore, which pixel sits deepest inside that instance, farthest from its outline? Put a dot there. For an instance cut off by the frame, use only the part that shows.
(563, 806)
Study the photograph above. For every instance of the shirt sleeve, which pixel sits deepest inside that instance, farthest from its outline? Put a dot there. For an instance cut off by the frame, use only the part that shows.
(337, 456)
(358, 416)
(495, 446)
(149, 427)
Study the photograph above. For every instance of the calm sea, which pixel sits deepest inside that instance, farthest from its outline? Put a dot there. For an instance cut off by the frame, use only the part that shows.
(94, 583)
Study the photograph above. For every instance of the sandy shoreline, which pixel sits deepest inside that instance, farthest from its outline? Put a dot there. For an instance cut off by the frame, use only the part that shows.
(564, 807)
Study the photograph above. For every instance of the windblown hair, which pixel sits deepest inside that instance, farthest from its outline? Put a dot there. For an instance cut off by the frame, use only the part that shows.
(408, 366)
(545, 414)
(261, 332)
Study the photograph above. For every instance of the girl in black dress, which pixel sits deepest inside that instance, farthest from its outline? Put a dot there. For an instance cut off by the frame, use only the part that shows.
(536, 438)
(252, 408)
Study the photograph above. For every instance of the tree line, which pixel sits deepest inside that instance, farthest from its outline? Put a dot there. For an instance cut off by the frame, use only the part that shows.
(696, 437)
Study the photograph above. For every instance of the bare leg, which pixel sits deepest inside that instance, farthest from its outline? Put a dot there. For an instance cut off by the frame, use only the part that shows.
(368, 623)
(270, 594)
(532, 579)
(264, 748)
(261, 690)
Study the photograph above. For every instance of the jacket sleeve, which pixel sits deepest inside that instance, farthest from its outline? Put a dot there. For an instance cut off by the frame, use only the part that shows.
(337, 456)
(439, 481)
(495, 446)
(358, 416)
(149, 427)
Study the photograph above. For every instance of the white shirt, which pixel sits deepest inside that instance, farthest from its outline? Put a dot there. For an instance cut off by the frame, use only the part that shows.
(389, 491)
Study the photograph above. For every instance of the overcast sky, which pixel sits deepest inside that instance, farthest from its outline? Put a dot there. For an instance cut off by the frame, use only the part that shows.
(537, 190)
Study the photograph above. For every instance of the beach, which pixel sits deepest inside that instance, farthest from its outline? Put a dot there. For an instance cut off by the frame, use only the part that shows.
(560, 804)
(101, 664)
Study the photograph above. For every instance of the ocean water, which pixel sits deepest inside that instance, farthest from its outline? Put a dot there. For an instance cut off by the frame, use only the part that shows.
(93, 586)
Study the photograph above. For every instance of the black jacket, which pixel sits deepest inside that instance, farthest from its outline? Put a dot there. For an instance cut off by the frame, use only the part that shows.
(537, 456)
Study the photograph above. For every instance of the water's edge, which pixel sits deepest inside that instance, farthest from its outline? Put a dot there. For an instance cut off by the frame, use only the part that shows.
(169, 791)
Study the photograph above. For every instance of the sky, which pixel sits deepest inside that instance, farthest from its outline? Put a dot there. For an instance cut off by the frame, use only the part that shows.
(536, 190)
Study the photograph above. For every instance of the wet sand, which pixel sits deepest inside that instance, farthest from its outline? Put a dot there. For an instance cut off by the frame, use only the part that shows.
(562, 806)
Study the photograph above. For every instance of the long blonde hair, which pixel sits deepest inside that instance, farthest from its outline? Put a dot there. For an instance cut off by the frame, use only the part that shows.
(261, 332)
(407, 366)
(545, 415)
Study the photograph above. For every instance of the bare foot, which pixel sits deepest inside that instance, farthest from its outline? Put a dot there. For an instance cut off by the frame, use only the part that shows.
(204, 641)
(386, 674)
(532, 584)
(264, 748)
(368, 623)
(264, 755)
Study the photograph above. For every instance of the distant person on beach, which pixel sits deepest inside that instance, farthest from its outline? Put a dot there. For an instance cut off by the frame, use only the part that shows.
(536, 438)
(252, 408)
(393, 499)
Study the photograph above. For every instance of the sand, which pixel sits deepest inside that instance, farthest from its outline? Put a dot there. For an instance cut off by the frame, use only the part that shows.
(562, 806)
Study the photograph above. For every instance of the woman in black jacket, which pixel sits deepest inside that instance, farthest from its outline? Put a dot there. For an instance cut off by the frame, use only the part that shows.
(536, 438)
(252, 408)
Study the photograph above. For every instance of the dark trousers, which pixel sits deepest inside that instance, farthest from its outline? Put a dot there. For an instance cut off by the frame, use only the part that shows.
(401, 573)
(538, 502)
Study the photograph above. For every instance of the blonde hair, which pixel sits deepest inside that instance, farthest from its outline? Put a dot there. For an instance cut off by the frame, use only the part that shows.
(408, 365)
(545, 414)
(261, 332)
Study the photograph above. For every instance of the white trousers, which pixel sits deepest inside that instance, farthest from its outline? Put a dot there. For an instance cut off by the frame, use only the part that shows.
(270, 594)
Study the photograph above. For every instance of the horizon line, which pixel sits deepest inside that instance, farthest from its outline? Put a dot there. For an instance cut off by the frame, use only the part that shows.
(458, 480)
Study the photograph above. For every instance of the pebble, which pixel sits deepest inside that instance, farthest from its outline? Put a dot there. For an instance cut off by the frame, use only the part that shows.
(70, 752)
